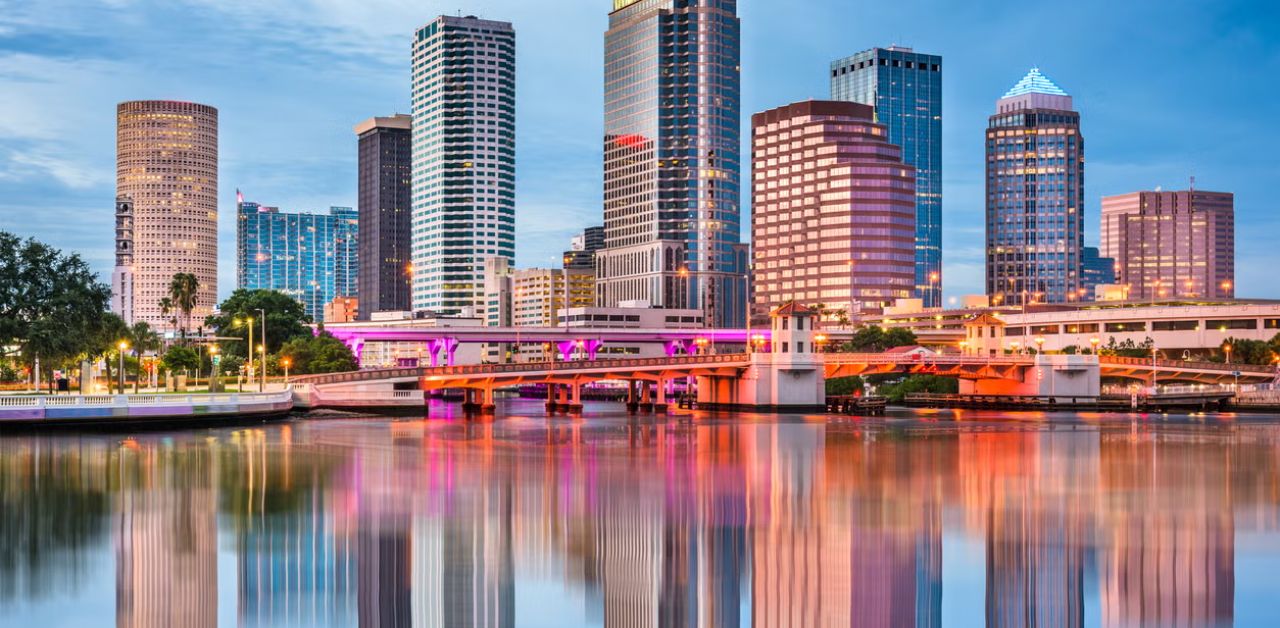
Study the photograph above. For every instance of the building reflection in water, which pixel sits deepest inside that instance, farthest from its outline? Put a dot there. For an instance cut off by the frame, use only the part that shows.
(440, 523)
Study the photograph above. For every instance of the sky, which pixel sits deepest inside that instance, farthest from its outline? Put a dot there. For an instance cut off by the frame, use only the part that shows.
(1166, 89)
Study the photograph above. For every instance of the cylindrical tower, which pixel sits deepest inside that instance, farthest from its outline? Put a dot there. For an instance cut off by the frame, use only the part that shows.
(167, 165)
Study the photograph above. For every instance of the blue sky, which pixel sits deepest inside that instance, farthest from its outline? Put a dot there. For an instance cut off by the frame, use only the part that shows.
(1167, 89)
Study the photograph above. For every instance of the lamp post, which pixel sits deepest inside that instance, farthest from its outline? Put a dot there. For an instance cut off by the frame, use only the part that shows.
(262, 317)
(285, 363)
(248, 322)
(1017, 346)
(213, 365)
(262, 381)
(122, 346)
(1227, 348)
(1093, 342)
(1039, 345)
(701, 342)
(1153, 369)
(757, 341)
(820, 342)
(964, 347)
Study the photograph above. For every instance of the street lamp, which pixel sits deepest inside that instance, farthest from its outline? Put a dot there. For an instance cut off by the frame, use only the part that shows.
(1039, 344)
(1227, 348)
(820, 340)
(262, 381)
(702, 344)
(285, 363)
(248, 322)
(757, 340)
(964, 347)
(1153, 368)
(122, 346)
(213, 366)
(1017, 346)
(262, 317)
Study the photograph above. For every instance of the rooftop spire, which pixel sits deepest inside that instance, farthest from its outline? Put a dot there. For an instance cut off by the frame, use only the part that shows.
(1035, 83)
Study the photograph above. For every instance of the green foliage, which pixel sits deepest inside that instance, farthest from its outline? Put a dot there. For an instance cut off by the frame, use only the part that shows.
(286, 319)
(8, 374)
(844, 385)
(183, 296)
(920, 384)
(1128, 348)
(318, 354)
(180, 358)
(50, 303)
(1253, 351)
(873, 339)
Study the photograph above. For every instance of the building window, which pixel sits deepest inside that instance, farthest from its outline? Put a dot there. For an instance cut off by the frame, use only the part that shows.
(1126, 327)
(1223, 325)
(1083, 328)
(1013, 331)
(1175, 325)
(786, 347)
(1042, 330)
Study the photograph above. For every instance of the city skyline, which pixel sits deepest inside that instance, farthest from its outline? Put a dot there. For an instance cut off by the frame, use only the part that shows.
(58, 162)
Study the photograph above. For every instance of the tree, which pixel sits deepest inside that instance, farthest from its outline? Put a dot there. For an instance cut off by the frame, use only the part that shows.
(844, 385)
(920, 384)
(321, 353)
(50, 303)
(873, 339)
(166, 308)
(180, 358)
(1128, 348)
(184, 291)
(104, 342)
(1251, 351)
(286, 319)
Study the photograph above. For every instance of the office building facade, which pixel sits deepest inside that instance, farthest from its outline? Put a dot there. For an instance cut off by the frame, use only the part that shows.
(905, 87)
(1035, 195)
(583, 247)
(385, 206)
(833, 209)
(1172, 245)
(167, 175)
(464, 159)
(313, 258)
(672, 159)
(1095, 270)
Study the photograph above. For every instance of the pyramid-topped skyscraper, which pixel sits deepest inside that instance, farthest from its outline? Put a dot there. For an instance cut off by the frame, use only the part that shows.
(1035, 196)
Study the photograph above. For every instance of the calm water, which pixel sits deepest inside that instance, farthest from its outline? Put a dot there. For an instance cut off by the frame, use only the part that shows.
(914, 519)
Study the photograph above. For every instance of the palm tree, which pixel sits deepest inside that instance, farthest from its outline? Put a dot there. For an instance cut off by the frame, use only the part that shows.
(144, 339)
(166, 308)
(183, 291)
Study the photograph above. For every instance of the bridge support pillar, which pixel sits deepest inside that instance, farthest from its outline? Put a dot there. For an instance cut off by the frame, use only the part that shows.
(575, 400)
(562, 398)
(488, 404)
(551, 398)
(660, 406)
(646, 399)
(633, 403)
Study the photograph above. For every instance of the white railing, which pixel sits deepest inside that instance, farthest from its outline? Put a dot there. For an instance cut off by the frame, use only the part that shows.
(125, 401)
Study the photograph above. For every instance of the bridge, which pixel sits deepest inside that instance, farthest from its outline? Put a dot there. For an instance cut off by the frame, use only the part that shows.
(653, 380)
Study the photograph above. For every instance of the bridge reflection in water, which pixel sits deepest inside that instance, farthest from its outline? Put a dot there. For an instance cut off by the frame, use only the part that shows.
(630, 523)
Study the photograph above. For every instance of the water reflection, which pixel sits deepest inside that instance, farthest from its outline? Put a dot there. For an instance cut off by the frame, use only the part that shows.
(617, 523)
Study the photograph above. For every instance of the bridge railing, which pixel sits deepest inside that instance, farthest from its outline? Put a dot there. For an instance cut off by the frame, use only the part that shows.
(1185, 364)
(519, 367)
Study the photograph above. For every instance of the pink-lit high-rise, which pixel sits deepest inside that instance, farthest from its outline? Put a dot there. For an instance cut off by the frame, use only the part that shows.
(833, 208)
(1174, 245)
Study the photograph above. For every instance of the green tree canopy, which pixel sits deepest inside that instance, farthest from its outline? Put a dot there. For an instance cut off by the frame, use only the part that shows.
(318, 354)
(183, 296)
(286, 319)
(180, 358)
(873, 339)
(50, 303)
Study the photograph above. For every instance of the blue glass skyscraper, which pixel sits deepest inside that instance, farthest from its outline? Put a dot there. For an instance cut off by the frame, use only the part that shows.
(310, 257)
(905, 87)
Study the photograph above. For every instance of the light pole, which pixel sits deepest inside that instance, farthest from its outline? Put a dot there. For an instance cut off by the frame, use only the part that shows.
(248, 321)
(262, 381)
(1154, 375)
(262, 316)
(122, 346)
(1039, 345)
(285, 363)
(1093, 342)
(1227, 348)
(213, 365)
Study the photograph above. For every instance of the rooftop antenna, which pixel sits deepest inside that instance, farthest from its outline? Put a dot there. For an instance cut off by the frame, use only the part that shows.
(1193, 183)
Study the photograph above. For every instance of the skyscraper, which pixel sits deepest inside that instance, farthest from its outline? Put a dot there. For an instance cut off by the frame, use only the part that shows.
(1035, 195)
(1095, 270)
(310, 257)
(850, 245)
(464, 158)
(385, 207)
(583, 248)
(1171, 244)
(671, 158)
(905, 87)
(167, 167)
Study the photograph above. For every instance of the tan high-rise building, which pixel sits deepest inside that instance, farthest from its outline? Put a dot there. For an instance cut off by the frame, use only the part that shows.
(167, 166)
(1172, 245)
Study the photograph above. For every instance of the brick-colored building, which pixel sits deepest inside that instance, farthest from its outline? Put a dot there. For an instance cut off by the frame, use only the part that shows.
(833, 208)
(1172, 245)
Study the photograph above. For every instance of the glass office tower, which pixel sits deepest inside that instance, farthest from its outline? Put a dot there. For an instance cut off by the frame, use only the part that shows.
(905, 87)
(671, 159)
(1035, 195)
(464, 158)
(310, 257)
